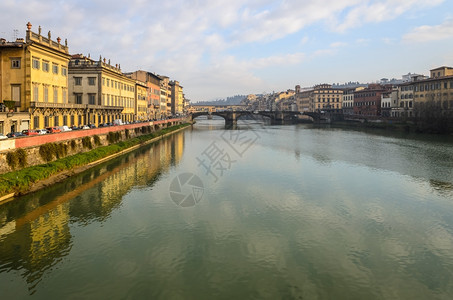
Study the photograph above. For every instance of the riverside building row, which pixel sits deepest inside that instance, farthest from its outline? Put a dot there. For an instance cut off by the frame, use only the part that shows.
(418, 96)
(42, 85)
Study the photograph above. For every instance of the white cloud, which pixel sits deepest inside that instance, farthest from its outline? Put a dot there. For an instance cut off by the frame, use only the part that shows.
(380, 10)
(202, 43)
(426, 33)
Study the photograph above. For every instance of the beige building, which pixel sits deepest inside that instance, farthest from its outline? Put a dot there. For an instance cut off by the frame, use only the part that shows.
(105, 92)
(405, 105)
(327, 98)
(152, 81)
(34, 82)
(320, 97)
(165, 97)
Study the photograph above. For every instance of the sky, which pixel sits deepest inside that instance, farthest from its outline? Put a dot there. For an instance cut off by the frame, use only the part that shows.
(217, 49)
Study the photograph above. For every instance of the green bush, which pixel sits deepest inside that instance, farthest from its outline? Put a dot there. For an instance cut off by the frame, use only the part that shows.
(17, 158)
(22, 157)
(47, 151)
(113, 137)
(12, 159)
(61, 150)
(86, 142)
(97, 140)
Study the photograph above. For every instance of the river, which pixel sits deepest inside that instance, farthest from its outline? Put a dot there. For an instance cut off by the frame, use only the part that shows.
(258, 212)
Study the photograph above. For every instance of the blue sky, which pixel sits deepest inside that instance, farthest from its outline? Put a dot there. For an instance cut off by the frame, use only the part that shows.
(222, 48)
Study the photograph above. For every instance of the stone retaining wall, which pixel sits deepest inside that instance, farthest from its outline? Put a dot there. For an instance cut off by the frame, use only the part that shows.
(73, 141)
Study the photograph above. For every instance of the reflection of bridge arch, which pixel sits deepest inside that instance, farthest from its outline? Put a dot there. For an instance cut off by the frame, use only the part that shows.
(231, 117)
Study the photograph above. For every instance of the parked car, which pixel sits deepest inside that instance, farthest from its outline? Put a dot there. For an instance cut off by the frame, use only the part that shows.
(118, 122)
(53, 129)
(29, 132)
(2, 136)
(65, 128)
(85, 127)
(91, 125)
(73, 127)
(41, 131)
(15, 134)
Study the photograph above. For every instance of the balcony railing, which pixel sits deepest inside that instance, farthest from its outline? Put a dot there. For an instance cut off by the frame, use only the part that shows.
(56, 105)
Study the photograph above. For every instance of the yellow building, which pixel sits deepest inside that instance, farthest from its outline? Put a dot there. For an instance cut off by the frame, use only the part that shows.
(434, 95)
(441, 72)
(34, 74)
(177, 98)
(141, 108)
(103, 90)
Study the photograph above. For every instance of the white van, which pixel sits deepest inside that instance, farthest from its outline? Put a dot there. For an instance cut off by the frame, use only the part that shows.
(118, 122)
(65, 128)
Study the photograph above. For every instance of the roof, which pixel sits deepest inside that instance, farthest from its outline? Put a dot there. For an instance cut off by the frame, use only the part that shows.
(440, 68)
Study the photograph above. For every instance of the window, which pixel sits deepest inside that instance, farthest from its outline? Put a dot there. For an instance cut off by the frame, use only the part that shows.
(72, 120)
(64, 71)
(46, 94)
(91, 80)
(80, 120)
(78, 98)
(46, 121)
(45, 66)
(65, 93)
(56, 121)
(91, 99)
(77, 80)
(55, 95)
(65, 120)
(15, 63)
(35, 63)
(108, 82)
(35, 92)
(36, 122)
(103, 81)
(55, 69)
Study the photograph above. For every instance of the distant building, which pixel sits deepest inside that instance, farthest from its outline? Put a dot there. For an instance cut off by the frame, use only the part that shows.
(367, 102)
(434, 96)
(177, 98)
(389, 102)
(348, 99)
(326, 98)
(153, 82)
(441, 72)
(405, 105)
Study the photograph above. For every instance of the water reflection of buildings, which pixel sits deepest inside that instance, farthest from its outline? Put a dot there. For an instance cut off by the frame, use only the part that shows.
(35, 231)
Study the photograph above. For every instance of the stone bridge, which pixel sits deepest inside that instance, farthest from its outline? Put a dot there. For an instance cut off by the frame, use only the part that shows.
(231, 117)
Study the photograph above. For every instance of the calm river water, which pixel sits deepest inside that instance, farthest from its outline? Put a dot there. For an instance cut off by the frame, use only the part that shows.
(260, 212)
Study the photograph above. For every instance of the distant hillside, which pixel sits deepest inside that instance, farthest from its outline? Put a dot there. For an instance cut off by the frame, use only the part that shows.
(234, 100)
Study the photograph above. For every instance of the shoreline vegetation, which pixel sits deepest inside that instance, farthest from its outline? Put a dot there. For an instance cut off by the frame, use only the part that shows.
(33, 178)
